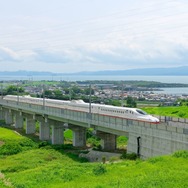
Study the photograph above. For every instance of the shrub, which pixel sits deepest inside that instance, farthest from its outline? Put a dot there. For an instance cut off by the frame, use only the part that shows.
(181, 114)
(93, 141)
(20, 185)
(154, 160)
(62, 147)
(98, 148)
(130, 156)
(182, 154)
(10, 149)
(2, 122)
(27, 143)
(43, 144)
(99, 170)
(83, 160)
(15, 146)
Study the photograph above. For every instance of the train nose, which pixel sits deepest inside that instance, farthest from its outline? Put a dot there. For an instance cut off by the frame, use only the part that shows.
(155, 119)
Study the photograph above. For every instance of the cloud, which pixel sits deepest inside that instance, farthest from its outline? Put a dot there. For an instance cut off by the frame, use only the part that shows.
(6, 54)
(121, 43)
(47, 56)
(135, 53)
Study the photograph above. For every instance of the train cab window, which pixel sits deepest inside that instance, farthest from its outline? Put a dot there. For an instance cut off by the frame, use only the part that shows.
(141, 112)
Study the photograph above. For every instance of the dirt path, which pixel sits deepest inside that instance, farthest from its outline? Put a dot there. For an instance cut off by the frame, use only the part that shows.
(5, 181)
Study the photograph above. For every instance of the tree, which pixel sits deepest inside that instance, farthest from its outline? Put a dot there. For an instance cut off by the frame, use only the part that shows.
(87, 91)
(14, 90)
(48, 93)
(58, 93)
(131, 102)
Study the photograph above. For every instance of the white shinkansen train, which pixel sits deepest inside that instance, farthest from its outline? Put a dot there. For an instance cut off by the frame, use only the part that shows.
(80, 105)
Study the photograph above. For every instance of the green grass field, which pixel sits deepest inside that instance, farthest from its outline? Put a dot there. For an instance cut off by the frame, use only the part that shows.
(179, 111)
(33, 166)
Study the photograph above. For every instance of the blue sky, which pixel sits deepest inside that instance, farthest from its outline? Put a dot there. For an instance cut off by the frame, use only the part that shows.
(84, 35)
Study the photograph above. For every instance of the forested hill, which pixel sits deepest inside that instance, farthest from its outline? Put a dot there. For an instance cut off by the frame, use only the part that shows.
(134, 83)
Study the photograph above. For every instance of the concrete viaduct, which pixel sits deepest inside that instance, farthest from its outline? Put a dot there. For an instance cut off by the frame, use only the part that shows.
(145, 139)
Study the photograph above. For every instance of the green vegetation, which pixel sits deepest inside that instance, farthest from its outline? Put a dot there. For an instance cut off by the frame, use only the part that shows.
(178, 111)
(14, 90)
(131, 102)
(122, 142)
(134, 83)
(54, 167)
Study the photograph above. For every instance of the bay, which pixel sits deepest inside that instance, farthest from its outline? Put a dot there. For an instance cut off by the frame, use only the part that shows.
(173, 91)
(164, 79)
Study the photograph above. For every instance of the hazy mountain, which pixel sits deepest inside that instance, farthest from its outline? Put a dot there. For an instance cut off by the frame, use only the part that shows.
(24, 73)
(173, 71)
(177, 71)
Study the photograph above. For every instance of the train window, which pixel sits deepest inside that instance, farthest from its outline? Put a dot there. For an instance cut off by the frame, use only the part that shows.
(141, 112)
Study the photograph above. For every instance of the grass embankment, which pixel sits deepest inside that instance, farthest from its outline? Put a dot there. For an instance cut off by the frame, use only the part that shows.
(53, 167)
(179, 111)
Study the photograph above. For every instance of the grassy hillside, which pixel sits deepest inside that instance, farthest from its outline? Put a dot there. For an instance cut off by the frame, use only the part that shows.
(179, 111)
(55, 167)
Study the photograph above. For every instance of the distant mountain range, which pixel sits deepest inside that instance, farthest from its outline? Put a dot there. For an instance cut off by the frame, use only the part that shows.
(173, 71)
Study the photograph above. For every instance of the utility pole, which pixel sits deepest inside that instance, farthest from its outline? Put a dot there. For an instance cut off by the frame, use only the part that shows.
(17, 93)
(90, 100)
(89, 123)
(70, 94)
(122, 95)
(2, 91)
(43, 94)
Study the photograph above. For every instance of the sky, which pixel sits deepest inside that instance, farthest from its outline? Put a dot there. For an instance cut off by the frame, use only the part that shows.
(65, 36)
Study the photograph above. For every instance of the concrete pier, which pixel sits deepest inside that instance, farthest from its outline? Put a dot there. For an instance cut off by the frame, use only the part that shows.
(108, 141)
(44, 131)
(8, 117)
(1, 115)
(18, 120)
(57, 134)
(79, 136)
(30, 125)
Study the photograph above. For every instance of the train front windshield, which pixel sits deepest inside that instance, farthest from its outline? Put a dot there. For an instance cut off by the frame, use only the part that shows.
(141, 112)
